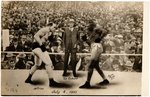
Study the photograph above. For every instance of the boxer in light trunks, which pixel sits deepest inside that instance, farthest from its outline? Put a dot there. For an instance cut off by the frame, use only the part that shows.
(41, 55)
(96, 51)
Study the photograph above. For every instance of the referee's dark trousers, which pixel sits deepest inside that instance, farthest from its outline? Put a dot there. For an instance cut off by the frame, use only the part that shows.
(70, 42)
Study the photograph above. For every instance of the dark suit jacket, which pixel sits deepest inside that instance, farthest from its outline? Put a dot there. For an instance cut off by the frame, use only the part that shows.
(20, 64)
(27, 46)
(11, 47)
(70, 37)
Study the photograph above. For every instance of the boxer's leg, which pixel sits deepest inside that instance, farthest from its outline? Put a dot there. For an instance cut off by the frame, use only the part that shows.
(44, 56)
(48, 64)
(38, 62)
(101, 73)
(89, 75)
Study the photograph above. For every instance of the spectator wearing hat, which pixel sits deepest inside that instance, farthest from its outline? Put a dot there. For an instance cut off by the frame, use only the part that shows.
(53, 49)
(29, 61)
(129, 63)
(14, 46)
(11, 39)
(57, 60)
(71, 38)
(137, 66)
(118, 43)
(139, 45)
(25, 44)
(9, 61)
(20, 64)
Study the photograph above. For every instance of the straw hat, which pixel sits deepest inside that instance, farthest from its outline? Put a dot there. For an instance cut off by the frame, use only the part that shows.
(9, 55)
(21, 55)
(71, 20)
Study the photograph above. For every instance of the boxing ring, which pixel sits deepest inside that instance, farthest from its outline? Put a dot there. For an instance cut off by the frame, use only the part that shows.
(121, 83)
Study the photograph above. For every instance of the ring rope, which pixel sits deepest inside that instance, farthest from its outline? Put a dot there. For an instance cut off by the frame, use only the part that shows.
(104, 54)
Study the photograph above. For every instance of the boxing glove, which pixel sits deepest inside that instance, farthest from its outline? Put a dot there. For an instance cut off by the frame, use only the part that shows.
(84, 38)
(51, 38)
(43, 48)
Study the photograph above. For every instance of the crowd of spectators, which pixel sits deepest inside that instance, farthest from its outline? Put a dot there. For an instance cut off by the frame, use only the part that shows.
(17, 61)
(108, 63)
(125, 25)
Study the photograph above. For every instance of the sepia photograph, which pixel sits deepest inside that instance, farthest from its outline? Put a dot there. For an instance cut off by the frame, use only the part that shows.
(71, 48)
